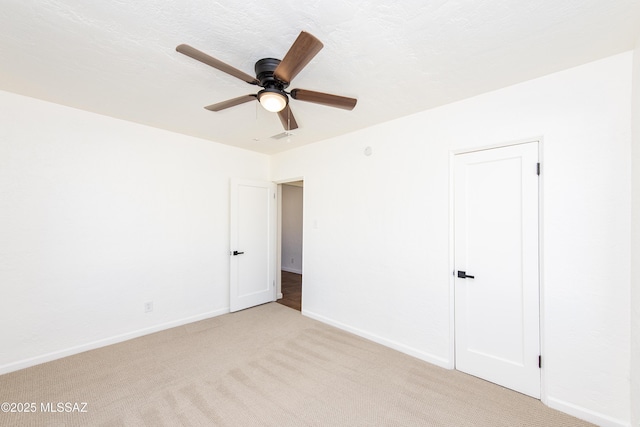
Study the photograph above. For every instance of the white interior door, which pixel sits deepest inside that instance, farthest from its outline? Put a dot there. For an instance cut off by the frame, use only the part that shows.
(497, 329)
(252, 244)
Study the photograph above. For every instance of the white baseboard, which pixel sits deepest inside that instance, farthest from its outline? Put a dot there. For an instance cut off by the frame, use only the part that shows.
(585, 414)
(291, 270)
(32, 361)
(435, 360)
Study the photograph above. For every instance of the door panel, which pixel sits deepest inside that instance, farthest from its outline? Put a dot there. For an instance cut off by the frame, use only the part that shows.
(496, 242)
(252, 239)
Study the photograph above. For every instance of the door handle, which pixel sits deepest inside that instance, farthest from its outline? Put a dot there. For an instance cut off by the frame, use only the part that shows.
(464, 275)
(237, 253)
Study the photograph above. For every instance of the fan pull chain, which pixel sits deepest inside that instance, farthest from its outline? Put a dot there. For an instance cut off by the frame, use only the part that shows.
(288, 125)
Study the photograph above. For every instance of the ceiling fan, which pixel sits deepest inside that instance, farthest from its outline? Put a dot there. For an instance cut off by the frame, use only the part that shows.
(274, 76)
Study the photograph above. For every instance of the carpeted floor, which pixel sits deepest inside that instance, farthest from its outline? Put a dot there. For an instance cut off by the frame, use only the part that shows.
(266, 366)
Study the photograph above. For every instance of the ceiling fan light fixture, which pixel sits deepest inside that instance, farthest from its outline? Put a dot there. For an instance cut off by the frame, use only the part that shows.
(273, 100)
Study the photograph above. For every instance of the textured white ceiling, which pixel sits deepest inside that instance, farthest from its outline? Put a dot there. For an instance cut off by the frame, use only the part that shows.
(118, 57)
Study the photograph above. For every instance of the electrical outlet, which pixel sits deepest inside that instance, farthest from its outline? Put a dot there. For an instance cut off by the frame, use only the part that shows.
(291, 260)
(148, 306)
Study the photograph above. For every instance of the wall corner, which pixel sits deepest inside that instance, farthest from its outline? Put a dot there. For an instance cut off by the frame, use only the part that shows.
(635, 239)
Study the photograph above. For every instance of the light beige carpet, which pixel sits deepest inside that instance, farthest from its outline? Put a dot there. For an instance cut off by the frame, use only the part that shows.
(266, 366)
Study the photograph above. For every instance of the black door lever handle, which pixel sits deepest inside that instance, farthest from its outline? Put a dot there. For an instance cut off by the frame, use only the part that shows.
(464, 275)
(237, 253)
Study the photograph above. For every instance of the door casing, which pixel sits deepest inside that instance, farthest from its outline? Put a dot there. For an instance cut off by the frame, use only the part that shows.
(279, 233)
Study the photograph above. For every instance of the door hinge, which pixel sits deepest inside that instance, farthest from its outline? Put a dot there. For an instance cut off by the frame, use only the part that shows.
(539, 361)
(538, 168)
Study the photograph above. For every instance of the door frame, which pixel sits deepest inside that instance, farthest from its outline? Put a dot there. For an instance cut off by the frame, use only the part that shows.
(279, 233)
(452, 156)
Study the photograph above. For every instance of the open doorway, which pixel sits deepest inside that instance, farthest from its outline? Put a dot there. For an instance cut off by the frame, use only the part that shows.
(290, 212)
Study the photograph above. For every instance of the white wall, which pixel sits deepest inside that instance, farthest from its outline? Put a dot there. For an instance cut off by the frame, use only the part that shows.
(99, 216)
(635, 245)
(291, 259)
(376, 229)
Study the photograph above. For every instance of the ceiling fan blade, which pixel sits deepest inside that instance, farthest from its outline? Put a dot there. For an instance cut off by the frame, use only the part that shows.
(287, 119)
(215, 63)
(300, 53)
(231, 102)
(324, 99)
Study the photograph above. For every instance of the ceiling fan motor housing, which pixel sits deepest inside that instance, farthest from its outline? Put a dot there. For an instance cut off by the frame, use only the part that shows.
(264, 73)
